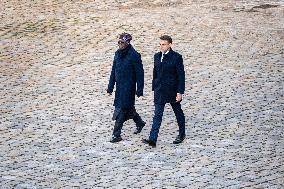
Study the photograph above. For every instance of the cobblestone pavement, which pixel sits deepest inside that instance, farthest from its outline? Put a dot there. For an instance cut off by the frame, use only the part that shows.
(55, 120)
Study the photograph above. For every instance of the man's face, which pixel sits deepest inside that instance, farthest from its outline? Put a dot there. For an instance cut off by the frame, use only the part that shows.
(164, 46)
(122, 44)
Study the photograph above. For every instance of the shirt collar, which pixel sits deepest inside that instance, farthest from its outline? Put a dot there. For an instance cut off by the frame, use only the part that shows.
(166, 52)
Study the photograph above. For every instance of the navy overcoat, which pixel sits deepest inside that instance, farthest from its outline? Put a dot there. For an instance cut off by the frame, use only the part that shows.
(168, 77)
(127, 71)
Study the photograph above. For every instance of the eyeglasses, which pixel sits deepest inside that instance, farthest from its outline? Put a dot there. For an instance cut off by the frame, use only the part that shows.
(121, 42)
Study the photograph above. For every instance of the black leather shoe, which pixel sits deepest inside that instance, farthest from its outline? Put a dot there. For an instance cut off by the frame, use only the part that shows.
(179, 139)
(139, 128)
(116, 139)
(149, 142)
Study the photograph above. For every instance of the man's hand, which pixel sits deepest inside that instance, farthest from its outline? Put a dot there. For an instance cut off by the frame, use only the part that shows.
(178, 97)
(139, 94)
(109, 92)
(140, 97)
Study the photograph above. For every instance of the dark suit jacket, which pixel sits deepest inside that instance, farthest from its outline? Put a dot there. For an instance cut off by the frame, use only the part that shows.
(168, 77)
(127, 71)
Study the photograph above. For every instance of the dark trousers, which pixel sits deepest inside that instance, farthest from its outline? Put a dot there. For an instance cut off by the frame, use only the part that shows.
(157, 119)
(122, 115)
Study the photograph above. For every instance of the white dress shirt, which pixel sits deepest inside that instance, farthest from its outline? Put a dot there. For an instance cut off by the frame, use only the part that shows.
(163, 55)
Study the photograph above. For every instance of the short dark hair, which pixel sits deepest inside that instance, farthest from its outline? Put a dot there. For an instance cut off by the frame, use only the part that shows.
(166, 38)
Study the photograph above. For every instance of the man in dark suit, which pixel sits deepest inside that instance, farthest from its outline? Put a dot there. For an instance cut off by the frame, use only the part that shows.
(127, 71)
(168, 85)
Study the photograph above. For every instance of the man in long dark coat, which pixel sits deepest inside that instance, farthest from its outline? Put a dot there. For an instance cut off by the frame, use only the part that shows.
(127, 72)
(168, 85)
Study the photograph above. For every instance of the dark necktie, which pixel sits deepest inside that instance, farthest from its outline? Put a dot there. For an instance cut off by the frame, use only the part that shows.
(163, 54)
